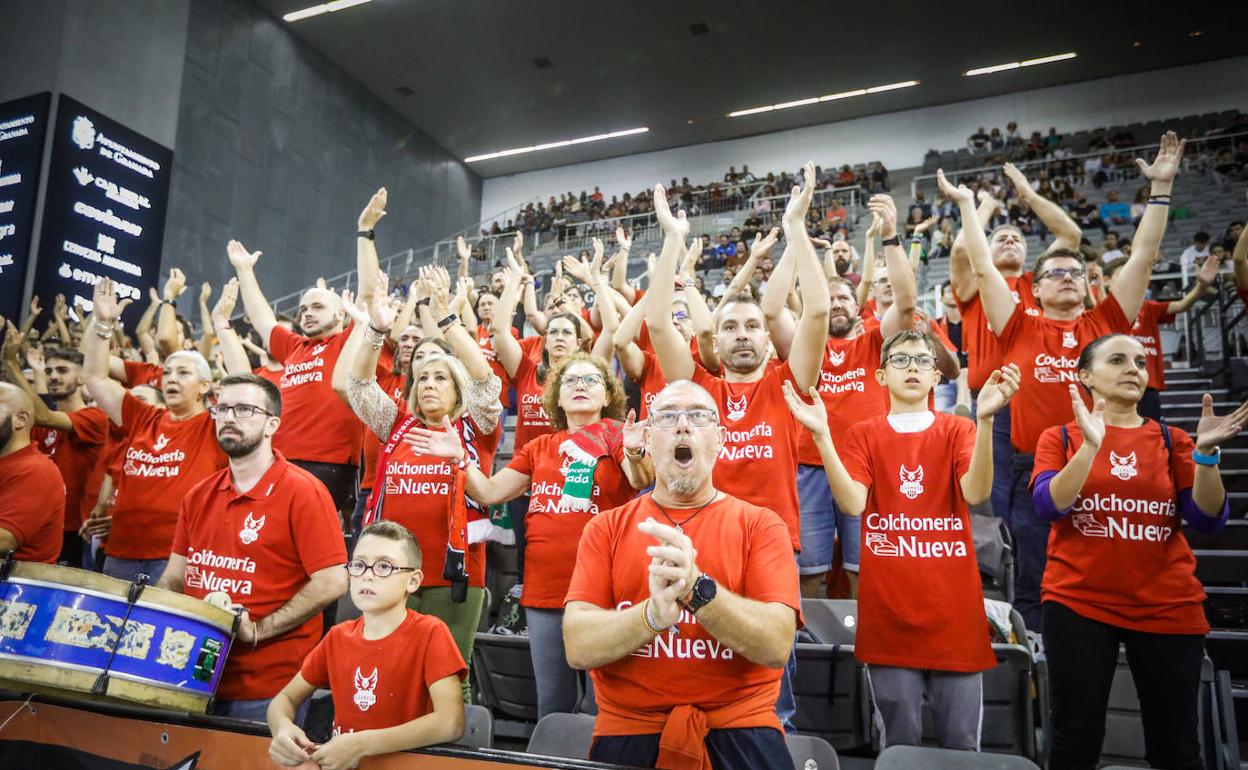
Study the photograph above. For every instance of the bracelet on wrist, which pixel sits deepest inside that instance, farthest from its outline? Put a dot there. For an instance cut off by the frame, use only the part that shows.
(1203, 459)
(448, 321)
(369, 234)
(423, 302)
(648, 621)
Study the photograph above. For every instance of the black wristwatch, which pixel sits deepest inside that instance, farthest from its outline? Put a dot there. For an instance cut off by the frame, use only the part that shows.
(894, 241)
(369, 234)
(704, 590)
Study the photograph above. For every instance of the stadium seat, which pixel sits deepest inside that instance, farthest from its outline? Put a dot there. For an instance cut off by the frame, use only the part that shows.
(478, 728)
(831, 621)
(811, 753)
(830, 691)
(1009, 713)
(504, 675)
(926, 758)
(563, 735)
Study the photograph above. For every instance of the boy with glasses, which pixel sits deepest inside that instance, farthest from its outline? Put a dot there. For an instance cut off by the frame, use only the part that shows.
(394, 673)
(911, 476)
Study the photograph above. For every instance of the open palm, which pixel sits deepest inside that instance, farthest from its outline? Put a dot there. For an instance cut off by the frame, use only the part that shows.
(1212, 430)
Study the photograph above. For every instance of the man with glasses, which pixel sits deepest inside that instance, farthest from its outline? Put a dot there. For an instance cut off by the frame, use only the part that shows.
(683, 606)
(262, 536)
(1046, 347)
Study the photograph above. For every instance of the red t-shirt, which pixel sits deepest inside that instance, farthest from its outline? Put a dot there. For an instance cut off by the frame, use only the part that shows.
(316, 425)
(552, 531)
(1119, 556)
(143, 373)
(920, 600)
(32, 508)
(848, 388)
(380, 683)
(260, 547)
(76, 454)
(162, 460)
(531, 418)
(272, 376)
(652, 381)
(532, 347)
(978, 341)
(1146, 332)
(1047, 352)
(746, 550)
(758, 463)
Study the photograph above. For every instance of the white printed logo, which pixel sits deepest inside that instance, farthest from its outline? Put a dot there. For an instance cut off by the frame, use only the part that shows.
(49, 439)
(836, 357)
(161, 442)
(83, 176)
(319, 349)
(194, 578)
(911, 482)
(83, 133)
(1088, 526)
(1069, 341)
(880, 545)
(364, 686)
(736, 407)
(1122, 467)
(250, 532)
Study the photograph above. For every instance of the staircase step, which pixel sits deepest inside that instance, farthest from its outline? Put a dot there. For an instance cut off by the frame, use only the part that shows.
(1228, 566)
(1233, 537)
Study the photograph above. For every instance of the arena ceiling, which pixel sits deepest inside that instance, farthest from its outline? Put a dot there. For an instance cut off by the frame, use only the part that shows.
(480, 76)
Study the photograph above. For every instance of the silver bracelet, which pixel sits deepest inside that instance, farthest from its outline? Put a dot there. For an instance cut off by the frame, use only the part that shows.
(374, 337)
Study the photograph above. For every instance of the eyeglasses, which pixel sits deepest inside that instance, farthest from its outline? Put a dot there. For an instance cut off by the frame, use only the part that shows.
(1058, 273)
(680, 315)
(241, 411)
(924, 362)
(381, 568)
(697, 418)
(880, 279)
(590, 380)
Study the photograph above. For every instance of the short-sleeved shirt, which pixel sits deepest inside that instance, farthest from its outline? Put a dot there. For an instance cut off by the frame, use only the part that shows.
(848, 388)
(76, 453)
(143, 373)
(273, 376)
(978, 341)
(651, 382)
(1147, 332)
(491, 356)
(1047, 353)
(746, 549)
(162, 461)
(260, 547)
(316, 425)
(920, 599)
(1119, 556)
(758, 463)
(552, 530)
(379, 683)
(531, 418)
(32, 505)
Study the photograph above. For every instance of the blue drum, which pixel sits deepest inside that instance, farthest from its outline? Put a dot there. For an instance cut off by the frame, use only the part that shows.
(70, 632)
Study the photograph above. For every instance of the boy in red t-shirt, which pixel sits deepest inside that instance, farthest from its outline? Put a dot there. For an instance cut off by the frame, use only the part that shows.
(394, 673)
(910, 475)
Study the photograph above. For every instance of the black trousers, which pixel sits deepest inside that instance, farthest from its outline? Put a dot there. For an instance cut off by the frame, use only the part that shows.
(1082, 654)
(745, 748)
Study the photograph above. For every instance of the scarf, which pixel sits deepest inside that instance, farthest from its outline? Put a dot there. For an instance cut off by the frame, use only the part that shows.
(585, 448)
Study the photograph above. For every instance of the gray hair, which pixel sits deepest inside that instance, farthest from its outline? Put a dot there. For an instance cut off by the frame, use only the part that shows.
(196, 360)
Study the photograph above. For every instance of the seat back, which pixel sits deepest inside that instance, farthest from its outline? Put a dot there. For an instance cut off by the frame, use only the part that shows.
(503, 672)
(831, 695)
(832, 621)
(811, 753)
(928, 758)
(1008, 725)
(563, 735)
(478, 728)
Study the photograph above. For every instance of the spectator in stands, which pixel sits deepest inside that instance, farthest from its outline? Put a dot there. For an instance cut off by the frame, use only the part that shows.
(1199, 248)
(597, 196)
(846, 177)
(32, 508)
(995, 140)
(1109, 247)
(942, 239)
(726, 250)
(1114, 212)
(1231, 236)
(1053, 138)
(1013, 138)
(724, 282)
(978, 141)
(843, 261)
(1085, 213)
(1139, 205)
(879, 178)
(1122, 574)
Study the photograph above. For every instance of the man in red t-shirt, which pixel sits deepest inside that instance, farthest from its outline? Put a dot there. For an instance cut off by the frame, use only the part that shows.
(263, 532)
(1046, 348)
(32, 507)
(685, 647)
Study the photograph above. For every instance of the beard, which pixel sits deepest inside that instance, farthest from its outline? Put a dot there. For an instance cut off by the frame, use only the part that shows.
(840, 326)
(684, 484)
(842, 266)
(238, 445)
(742, 361)
(6, 431)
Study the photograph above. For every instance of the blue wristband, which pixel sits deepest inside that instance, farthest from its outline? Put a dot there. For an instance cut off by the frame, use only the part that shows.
(1210, 460)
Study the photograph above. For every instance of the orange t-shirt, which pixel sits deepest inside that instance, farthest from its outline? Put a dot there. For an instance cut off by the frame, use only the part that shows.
(316, 425)
(758, 463)
(1147, 332)
(1119, 556)
(917, 547)
(848, 388)
(76, 454)
(980, 344)
(162, 460)
(746, 550)
(552, 531)
(380, 683)
(260, 547)
(32, 507)
(1047, 353)
(531, 418)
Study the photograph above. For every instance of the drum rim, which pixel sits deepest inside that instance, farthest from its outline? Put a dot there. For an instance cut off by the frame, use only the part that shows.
(96, 671)
(113, 597)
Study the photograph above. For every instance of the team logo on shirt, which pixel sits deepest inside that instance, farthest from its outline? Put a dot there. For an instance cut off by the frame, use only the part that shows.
(911, 482)
(1031, 311)
(1069, 340)
(49, 439)
(319, 349)
(880, 545)
(1088, 526)
(1122, 467)
(836, 357)
(737, 407)
(250, 532)
(161, 442)
(364, 686)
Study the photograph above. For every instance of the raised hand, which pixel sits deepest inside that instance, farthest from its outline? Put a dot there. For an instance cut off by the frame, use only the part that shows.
(60, 309)
(462, 247)
(34, 358)
(799, 200)
(622, 239)
(886, 209)
(814, 417)
(874, 228)
(444, 443)
(354, 310)
(959, 195)
(634, 432)
(1091, 424)
(1212, 430)
(926, 224)
(240, 258)
(1021, 185)
(763, 244)
(225, 304)
(1001, 386)
(672, 224)
(692, 254)
(383, 310)
(175, 285)
(1166, 165)
(374, 211)
(1208, 271)
(106, 308)
(12, 342)
(34, 306)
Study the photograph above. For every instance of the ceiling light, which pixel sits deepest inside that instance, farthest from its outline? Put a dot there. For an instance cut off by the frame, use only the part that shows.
(1016, 64)
(553, 145)
(892, 86)
(317, 10)
(828, 98)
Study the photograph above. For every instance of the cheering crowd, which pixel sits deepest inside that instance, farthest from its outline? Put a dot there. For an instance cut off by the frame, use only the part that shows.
(680, 477)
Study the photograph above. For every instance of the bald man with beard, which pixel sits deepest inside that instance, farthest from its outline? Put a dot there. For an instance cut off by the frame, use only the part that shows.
(32, 508)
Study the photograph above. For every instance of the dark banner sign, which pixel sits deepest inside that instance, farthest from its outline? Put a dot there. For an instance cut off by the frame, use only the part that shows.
(23, 125)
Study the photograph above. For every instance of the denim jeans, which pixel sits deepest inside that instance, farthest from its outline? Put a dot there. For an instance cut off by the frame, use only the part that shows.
(129, 569)
(556, 680)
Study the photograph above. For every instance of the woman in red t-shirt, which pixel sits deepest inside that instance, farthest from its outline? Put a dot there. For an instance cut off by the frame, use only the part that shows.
(1118, 488)
(425, 494)
(592, 463)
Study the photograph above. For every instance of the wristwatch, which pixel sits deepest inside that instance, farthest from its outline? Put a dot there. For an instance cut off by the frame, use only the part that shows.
(369, 234)
(704, 590)
(894, 241)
